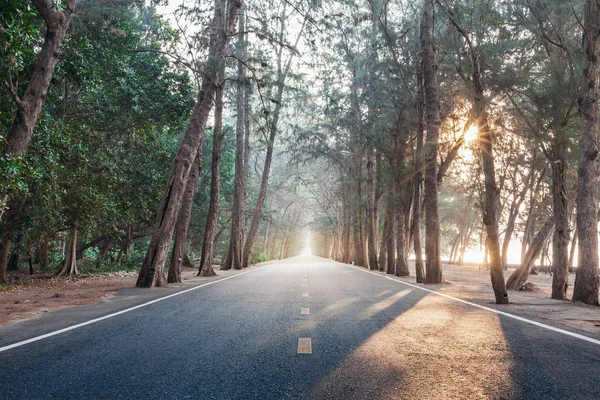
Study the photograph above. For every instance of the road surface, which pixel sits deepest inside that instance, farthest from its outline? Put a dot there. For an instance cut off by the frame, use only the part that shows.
(304, 328)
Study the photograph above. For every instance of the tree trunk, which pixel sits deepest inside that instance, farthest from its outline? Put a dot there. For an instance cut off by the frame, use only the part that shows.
(45, 252)
(391, 245)
(105, 249)
(371, 230)
(206, 260)
(4, 255)
(384, 241)
(236, 239)
(518, 278)
(178, 254)
(573, 247)
(418, 181)
(69, 267)
(433, 264)
(151, 273)
(18, 138)
(491, 201)
(586, 278)
(560, 240)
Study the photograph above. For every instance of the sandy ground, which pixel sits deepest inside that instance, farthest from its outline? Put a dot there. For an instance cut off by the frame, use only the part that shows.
(34, 295)
(39, 294)
(473, 284)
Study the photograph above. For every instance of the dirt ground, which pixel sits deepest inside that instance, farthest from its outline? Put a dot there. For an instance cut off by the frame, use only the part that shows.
(38, 294)
(33, 295)
(471, 283)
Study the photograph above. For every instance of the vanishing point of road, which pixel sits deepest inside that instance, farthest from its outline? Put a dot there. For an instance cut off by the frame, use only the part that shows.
(302, 328)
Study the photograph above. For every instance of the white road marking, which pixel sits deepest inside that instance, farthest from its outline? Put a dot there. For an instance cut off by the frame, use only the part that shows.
(304, 311)
(513, 316)
(304, 346)
(93, 321)
(304, 286)
(304, 294)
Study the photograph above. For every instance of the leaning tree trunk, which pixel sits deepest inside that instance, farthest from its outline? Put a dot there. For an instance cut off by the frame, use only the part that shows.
(260, 201)
(151, 273)
(236, 238)
(69, 267)
(586, 279)
(518, 278)
(178, 254)
(491, 196)
(560, 240)
(206, 268)
(18, 138)
(433, 264)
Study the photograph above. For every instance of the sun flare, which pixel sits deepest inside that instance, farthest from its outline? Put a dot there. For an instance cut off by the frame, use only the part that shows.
(471, 134)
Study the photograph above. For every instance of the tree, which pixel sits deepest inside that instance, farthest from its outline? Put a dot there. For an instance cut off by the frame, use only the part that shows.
(206, 259)
(29, 104)
(151, 272)
(587, 280)
(433, 267)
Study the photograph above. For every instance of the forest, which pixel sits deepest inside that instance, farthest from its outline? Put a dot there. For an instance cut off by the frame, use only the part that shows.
(399, 136)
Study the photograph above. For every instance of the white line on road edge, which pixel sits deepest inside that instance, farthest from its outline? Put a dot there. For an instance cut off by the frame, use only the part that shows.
(93, 321)
(528, 321)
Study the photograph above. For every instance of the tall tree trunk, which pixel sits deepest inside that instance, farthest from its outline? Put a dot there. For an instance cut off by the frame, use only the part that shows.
(234, 254)
(178, 254)
(384, 241)
(357, 220)
(491, 201)
(69, 267)
(401, 240)
(390, 244)
(418, 180)
(151, 273)
(371, 210)
(260, 201)
(206, 259)
(560, 240)
(586, 279)
(518, 278)
(433, 264)
(18, 138)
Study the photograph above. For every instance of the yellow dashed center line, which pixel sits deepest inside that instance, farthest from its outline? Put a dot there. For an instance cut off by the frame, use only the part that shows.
(304, 346)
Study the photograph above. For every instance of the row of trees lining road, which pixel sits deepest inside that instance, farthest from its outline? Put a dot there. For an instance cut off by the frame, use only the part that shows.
(466, 115)
(85, 193)
(229, 132)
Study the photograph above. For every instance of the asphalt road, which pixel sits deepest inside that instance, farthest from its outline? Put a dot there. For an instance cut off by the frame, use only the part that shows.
(371, 338)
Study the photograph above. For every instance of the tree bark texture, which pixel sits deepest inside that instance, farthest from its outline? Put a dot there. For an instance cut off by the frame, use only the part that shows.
(433, 264)
(418, 181)
(236, 238)
(29, 106)
(560, 239)
(206, 259)
(69, 267)
(586, 278)
(151, 273)
(178, 253)
(518, 278)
